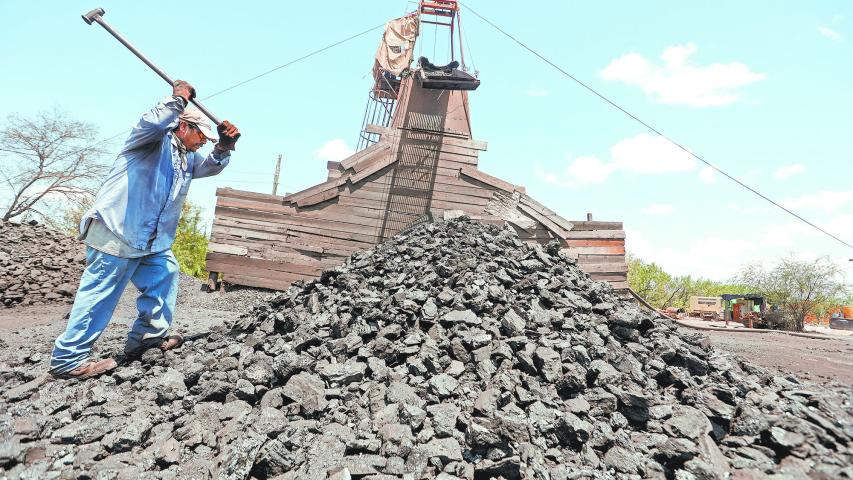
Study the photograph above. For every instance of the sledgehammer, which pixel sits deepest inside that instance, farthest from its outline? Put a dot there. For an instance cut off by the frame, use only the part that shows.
(97, 14)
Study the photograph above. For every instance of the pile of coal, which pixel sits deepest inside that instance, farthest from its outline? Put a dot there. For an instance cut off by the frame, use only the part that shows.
(454, 351)
(38, 264)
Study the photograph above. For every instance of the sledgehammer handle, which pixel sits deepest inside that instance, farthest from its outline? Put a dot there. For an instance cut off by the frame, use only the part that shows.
(96, 15)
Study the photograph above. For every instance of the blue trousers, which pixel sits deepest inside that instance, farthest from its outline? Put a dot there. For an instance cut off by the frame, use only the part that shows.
(101, 286)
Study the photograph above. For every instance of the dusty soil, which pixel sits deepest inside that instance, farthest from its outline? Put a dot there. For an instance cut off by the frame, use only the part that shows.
(36, 326)
(822, 361)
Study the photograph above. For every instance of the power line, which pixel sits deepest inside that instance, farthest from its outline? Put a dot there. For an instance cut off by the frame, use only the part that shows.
(307, 55)
(291, 62)
(653, 129)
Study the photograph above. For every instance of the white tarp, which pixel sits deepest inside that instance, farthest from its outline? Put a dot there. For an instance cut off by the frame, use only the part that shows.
(397, 47)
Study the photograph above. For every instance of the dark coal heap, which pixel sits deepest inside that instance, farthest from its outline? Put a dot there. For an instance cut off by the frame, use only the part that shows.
(453, 351)
(38, 265)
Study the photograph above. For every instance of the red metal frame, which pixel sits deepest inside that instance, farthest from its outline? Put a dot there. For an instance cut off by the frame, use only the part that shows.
(442, 8)
(448, 9)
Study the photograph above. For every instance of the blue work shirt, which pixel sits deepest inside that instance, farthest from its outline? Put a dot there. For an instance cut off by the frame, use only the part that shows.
(141, 199)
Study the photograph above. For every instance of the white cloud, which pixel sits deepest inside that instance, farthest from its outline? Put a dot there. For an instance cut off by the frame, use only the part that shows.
(333, 150)
(721, 256)
(537, 92)
(830, 33)
(827, 201)
(551, 178)
(589, 170)
(678, 82)
(707, 175)
(657, 209)
(789, 171)
(643, 154)
(649, 154)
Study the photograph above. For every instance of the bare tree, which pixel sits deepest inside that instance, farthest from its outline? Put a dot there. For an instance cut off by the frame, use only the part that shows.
(48, 157)
(797, 287)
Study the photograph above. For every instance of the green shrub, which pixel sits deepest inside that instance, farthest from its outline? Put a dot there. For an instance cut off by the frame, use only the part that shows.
(190, 247)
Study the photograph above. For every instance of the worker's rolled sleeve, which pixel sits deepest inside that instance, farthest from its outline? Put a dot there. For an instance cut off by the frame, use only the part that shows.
(212, 165)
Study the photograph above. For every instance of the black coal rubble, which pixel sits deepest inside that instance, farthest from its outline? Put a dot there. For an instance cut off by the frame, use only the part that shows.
(454, 351)
(38, 265)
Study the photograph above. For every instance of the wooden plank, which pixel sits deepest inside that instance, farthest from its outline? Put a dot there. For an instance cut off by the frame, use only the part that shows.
(584, 225)
(375, 194)
(331, 212)
(227, 192)
(446, 161)
(376, 148)
(289, 222)
(286, 216)
(592, 259)
(550, 225)
(248, 233)
(487, 179)
(596, 251)
(329, 244)
(320, 187)
(374, 168)
(605, 268)
(546, 212)
(322, 229)
(596, 243)
(462, 155)
(318, 198)
(445, 137)
(610, 277)
(229, 249)
(469, 190)
(596, 234)
(372, 161)
(262, 282)
(218, 262)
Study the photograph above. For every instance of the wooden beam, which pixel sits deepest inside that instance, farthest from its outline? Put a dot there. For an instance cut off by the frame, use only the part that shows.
(320, 187)
(547, 222)
(585, 225)
(596, 234)
(368, 152)
(605, 268)
(547, 212)
(487, 179)
(446, 137)
(228, 249)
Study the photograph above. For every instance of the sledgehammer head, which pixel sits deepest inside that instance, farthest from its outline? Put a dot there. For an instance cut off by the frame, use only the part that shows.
(90, 17)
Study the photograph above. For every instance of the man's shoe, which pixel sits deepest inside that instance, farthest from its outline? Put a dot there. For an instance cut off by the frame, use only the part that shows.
(172, 341)
(90, 369)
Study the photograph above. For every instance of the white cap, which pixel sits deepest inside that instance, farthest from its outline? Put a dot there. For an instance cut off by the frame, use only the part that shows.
(194, 116)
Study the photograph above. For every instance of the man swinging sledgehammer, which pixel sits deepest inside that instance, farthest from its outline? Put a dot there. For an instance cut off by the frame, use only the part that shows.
(130, 229)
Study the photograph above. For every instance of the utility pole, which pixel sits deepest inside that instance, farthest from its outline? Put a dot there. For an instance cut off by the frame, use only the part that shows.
(277, 170)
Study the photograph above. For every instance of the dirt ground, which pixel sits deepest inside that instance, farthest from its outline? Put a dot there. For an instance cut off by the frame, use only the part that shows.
(821, 361)
(27, 333)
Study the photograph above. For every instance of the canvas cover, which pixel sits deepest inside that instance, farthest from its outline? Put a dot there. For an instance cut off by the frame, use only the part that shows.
(397, 46)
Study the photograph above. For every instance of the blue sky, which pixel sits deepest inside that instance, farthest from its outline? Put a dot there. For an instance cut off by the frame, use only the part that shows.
(763, 89)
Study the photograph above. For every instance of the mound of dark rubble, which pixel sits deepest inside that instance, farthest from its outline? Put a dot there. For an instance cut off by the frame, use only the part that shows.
(38, 265)
(452, 351)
